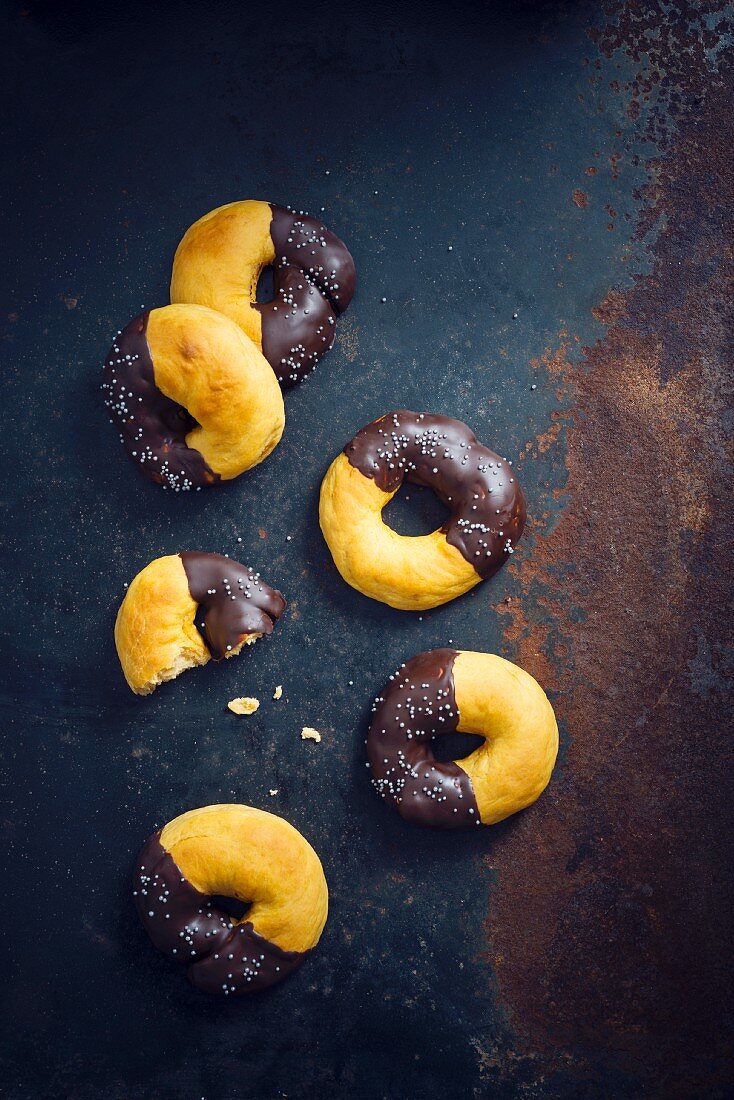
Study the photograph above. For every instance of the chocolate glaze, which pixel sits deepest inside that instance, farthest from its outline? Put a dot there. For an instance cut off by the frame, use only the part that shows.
(235, 600)
(222, 955)
(152, 427)
(418, 704)
(314, 281)
(480, 488)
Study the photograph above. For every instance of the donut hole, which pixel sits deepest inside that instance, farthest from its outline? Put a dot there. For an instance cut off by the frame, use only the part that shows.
(265, 290)
(455, 746)
(232, 907)
(415, 510)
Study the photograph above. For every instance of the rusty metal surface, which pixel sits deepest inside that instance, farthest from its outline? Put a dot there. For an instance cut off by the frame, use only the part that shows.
(577, 158)
(623, 958)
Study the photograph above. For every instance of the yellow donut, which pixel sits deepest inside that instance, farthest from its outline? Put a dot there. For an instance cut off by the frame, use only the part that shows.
(238, 852)
(443, 691)
(414, 573)
(219, 261)
(194, 399)
(155, 631)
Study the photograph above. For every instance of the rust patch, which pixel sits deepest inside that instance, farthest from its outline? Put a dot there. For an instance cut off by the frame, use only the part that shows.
(580, 198)
(623, 957)
(612, 309)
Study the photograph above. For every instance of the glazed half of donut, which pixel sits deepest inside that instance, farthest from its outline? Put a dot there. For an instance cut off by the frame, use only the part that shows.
(446, 691)
(156, 630)
(486, 503)
(219, 262)
(238, 852)
(193, 397)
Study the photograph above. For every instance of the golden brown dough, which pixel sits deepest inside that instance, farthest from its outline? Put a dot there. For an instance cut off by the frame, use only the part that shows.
(155, 634)
(501, 702)
(219, 260)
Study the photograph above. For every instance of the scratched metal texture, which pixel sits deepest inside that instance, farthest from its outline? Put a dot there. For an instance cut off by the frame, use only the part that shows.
(577, 159)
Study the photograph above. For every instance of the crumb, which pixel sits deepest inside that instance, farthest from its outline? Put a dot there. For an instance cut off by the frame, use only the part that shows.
(309, 734)
(274, 791)
(278, 693)
(244, 705)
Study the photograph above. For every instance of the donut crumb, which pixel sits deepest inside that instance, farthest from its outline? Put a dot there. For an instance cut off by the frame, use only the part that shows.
(244, 705)
(310, 734)
(274, 791)
(278, 693)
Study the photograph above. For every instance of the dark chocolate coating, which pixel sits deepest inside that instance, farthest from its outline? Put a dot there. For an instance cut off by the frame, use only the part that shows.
(222, 956)
(417, 705)
(152, 427)
(235, 600)
(314, 281)
(480, 488)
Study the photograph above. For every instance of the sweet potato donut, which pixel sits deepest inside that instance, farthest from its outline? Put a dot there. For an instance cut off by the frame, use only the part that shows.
(155, 632)
(446, 690)
(220, 259)
(193, 397)
(480, 488)
(235, 852)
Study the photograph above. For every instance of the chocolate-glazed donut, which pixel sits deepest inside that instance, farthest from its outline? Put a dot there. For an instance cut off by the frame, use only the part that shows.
(486, 503)
(156, 633)
(219, 262)
(194, 399)
(234, 851)
(443, 691)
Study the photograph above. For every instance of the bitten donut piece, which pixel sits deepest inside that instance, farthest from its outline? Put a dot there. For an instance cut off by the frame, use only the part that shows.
(478, 487)
(156, 633)
(219, 262)
(194, 399)
(443, 691)
(236, 852)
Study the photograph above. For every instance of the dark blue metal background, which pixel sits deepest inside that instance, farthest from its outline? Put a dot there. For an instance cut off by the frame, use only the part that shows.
(492, 130)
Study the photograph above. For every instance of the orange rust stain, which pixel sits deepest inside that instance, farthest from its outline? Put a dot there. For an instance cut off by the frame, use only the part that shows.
(580, 198)
(611, 309)
(621, 939)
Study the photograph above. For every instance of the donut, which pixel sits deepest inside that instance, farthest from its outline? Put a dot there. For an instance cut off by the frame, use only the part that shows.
(194, 399)
(480, 489)
(238, 852)
(156, 633)
(444, 691)
(219, 262)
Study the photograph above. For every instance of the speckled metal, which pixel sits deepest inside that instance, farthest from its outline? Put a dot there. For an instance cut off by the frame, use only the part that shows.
(542, 195)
